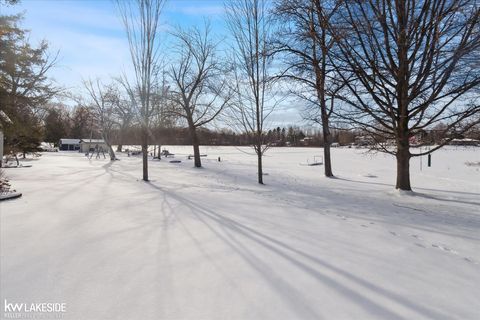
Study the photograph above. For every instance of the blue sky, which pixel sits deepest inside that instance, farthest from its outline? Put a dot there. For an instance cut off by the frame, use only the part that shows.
(91, 39)
(90, 36)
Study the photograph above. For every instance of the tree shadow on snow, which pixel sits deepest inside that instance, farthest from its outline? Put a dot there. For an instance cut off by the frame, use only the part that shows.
(233, 232)
(449, 192)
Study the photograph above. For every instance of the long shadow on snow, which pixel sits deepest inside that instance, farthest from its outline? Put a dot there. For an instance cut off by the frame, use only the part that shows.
(307, 193)
(426, 195)
(326, 195)
(318, 199)
(281, 249)
(363, 204)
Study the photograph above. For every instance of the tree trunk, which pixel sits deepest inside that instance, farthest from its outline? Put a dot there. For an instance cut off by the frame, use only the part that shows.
(327, 142)
(403, 131)
(196, 147)
(320, 68)
(403, 165)
(145, 154)
(327, 161)
(111, 153)
(260, 166)
(119, 148)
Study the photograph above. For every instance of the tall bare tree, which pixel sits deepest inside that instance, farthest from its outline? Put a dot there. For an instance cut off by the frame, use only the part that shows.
(141, 19)
(163, 117)
(412, 63)
(249, 25)
(199, 82)
(306, 45)
(102, 102)
(123, 114)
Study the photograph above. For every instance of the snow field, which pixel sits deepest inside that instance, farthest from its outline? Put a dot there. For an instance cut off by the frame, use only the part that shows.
(210, 243)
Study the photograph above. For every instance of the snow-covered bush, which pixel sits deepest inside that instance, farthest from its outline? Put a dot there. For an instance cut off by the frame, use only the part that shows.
(4, 185)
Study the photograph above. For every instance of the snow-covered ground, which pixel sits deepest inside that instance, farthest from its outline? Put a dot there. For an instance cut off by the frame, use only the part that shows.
(210, 243)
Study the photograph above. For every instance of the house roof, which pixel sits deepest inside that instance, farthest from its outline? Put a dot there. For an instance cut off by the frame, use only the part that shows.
(88, 140)
(69, 141)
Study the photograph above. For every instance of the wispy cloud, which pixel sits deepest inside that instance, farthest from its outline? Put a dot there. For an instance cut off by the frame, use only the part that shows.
(92, 42)
(200, 10)
(88, 35)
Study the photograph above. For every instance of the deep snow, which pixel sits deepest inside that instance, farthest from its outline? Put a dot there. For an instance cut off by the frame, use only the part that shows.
(212, 244)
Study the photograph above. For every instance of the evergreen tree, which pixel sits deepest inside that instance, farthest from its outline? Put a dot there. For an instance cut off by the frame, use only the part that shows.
(56, 126)
(24, 86)
(82, 124)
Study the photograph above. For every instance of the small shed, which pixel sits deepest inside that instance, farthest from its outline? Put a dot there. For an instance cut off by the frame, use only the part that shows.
(88, 145)
(69, 144)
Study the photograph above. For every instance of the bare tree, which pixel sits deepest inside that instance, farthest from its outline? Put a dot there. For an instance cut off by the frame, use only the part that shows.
(124, 115)
(306, 45)
(141, 20)
(412, 65)
(164, 116)
(102, 103)
(249, 25)
(199, 83)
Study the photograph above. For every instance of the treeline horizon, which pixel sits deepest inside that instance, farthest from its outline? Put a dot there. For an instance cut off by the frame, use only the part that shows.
(79, 124)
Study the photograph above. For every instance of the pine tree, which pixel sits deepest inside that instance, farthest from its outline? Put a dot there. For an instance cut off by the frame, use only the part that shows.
(24, 86)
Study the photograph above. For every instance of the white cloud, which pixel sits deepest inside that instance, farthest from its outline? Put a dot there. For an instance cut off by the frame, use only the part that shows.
(92, 41)
(195, 8)
(90, 37)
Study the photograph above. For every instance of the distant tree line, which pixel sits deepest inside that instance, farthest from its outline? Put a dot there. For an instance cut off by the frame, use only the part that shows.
(81, 123)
